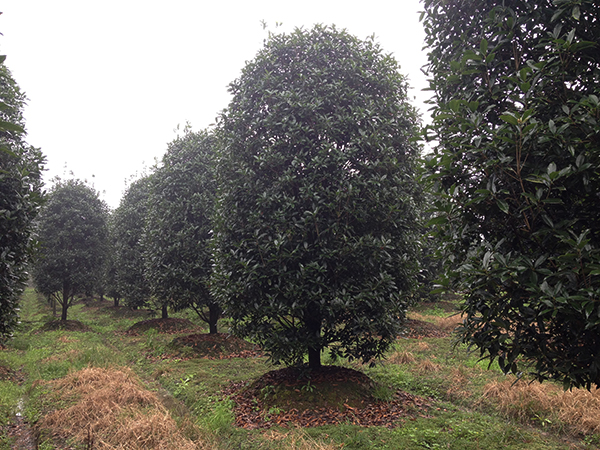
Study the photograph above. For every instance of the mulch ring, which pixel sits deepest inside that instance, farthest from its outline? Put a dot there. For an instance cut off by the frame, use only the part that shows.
(166, 326)
(214, 346)
(252, 412)
(418, 329)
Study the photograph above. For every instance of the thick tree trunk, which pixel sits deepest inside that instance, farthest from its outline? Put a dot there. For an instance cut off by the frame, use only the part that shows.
(116, 301)
(165, 312)
(314, 358)
(214, 312)
(312, 319)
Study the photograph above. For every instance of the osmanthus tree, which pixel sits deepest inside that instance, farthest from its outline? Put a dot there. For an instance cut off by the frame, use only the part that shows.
(72, 230)
(517, 170)
(178, 228)
(126, 228)
(20, 199)
(315, 219)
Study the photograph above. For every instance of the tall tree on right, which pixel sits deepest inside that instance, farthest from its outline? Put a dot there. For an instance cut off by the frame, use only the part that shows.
(20, 199)
(517, 172)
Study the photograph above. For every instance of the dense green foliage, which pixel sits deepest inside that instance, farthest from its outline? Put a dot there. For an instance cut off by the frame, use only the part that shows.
(178, 227)
(516, 92)
(20, 199)
(127, 227)
(73, 233)
(315, 227)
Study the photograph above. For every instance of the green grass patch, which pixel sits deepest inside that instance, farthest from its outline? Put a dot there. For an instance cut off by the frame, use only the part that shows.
(450, 379)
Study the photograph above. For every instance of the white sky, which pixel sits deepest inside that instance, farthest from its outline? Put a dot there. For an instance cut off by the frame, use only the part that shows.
(109, 81)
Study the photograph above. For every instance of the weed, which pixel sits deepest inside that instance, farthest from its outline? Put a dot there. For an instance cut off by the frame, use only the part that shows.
(308, 387)
(220, 418)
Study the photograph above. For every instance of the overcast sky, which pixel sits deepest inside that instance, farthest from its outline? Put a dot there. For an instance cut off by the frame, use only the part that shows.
(109, 81)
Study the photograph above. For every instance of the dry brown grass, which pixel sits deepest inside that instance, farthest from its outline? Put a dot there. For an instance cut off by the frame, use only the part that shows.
(449, 323)
(578, 409)
(296, 439)
(403, 357)
(422, 346)
(109, 409)
(427, 366)
(446, 324)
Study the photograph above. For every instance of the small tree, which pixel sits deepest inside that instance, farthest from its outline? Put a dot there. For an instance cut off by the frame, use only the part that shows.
(517, 171)
(178, 227)
(127, 228)
(73, 234)
(20, 199)
(314, 232)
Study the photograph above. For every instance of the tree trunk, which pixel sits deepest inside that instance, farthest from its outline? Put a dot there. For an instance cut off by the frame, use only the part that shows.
(314, 358)
(165, 312)
(214, 312)
(312, 319)
(116, 301)
(65, 305)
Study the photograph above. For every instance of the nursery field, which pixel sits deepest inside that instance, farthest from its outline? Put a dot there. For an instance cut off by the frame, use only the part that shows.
(113, 378)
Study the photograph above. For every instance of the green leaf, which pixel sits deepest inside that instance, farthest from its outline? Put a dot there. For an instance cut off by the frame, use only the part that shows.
(11, 127)
(509, 118)
(483, 46)
(503, 206)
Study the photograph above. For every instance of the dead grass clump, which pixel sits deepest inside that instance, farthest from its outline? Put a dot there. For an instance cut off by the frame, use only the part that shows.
(297, 440)
(522, 400)
(402, 358)
(578, 409)
(427, 366)
(450, 323)
(446, 324)
(422, 346)
(111, 410)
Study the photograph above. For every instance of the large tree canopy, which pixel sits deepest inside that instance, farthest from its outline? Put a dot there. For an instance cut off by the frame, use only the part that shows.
(20, 198)
(516, 86)
(178, 227)
(314, 233)
(73, 235)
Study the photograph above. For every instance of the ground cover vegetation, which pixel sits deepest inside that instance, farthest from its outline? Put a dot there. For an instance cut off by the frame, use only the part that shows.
(80, 389)
(516, 88)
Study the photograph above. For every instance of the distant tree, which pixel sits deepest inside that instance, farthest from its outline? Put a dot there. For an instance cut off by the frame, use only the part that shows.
(20, 199)
(178, 227)
(72, 230)
(127, 228)
(110, 268)
(517, 169)
(315, 225)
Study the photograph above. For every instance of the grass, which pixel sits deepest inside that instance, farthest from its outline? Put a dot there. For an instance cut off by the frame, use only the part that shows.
(107, 384)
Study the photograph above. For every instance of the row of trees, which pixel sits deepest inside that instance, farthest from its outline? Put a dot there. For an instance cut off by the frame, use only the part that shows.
(300, 215)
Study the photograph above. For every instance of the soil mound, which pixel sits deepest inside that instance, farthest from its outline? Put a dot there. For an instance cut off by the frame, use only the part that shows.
(167, 326)
(330, 395)
(215, 345)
